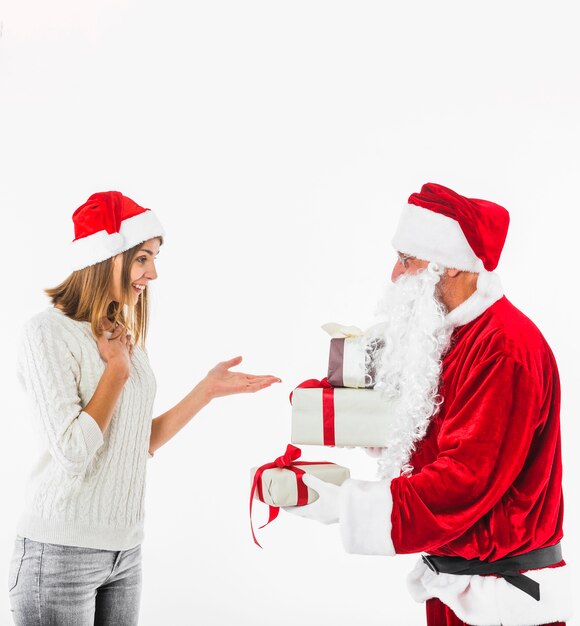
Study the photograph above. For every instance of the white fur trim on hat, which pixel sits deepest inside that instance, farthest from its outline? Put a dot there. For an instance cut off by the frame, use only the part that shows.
(434, 237)
(102, 245)
(484, 600)
(365, 517)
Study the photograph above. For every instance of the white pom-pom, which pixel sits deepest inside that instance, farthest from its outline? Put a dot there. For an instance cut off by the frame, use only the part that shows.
(115, 242)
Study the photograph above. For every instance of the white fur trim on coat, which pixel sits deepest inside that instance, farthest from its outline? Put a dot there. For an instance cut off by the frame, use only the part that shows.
(434, 237)
(102, 245)
(488, 600)
(365, 517)
(489, 290)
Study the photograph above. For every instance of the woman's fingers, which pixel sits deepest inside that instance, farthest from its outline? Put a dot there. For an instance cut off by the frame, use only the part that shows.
(232, 362)
(251, 377)
(260, 377)
(117, 331)
(253, 387)
(261, 382)
(123, 335)
(225, 383)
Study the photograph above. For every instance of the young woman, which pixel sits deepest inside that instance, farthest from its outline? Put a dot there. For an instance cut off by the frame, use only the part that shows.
(84, 367)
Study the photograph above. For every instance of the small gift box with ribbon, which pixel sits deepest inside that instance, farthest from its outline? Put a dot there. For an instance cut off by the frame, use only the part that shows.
(280, 483)
(325, 416)
(350, 361)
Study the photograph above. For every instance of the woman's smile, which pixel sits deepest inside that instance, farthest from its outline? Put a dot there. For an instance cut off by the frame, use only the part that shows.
(138, 287)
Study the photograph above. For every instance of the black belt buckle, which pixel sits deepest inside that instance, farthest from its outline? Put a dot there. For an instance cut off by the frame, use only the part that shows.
(429, 563)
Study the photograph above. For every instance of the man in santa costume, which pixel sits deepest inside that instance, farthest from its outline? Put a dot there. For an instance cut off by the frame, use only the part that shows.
(473, 476)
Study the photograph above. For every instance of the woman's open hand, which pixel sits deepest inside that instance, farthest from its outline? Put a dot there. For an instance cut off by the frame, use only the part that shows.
(218, 382)
(221, 382)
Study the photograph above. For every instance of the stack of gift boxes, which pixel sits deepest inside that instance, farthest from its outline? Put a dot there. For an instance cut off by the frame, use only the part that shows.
(341, 410)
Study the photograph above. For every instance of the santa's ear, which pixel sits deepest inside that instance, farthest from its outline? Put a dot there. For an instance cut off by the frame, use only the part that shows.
(452, 273)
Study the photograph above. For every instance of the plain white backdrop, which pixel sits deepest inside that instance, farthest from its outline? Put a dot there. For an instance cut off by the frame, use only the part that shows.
(278, 142)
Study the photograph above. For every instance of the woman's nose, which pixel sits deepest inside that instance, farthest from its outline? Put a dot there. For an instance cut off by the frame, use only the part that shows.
(151, 273)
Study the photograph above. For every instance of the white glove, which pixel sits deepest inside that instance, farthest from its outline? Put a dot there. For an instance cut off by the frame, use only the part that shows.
(325, 509)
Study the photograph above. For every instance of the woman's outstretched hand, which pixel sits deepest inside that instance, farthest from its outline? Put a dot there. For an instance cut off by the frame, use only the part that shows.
(218, 382)
(221, 382)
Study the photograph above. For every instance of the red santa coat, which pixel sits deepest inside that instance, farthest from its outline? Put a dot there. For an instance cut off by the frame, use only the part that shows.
(487, 478)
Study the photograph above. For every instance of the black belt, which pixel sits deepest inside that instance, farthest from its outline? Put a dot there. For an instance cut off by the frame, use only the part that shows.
(508, 568)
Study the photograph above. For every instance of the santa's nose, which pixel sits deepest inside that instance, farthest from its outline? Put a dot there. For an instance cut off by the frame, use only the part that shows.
(398, 270)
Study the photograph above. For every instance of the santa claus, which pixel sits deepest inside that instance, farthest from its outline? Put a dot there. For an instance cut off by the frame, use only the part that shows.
(473, 476)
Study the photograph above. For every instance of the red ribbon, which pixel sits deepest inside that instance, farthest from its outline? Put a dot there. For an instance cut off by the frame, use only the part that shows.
(328, 416)
(285, 461)
(328, 435)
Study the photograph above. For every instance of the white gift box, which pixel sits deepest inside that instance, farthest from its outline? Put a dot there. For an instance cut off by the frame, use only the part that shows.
(340, 417)
(280, 486)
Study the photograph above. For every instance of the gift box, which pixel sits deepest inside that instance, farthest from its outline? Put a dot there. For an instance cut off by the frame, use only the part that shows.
(278, 486)
(327, 416)
(347, 364)
(280, 483)
(350, 362)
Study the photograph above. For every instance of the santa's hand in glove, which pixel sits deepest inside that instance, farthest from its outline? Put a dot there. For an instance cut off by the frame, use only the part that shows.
(325, 509)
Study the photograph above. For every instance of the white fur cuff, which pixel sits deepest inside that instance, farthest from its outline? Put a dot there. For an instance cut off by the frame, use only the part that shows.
(365, 517)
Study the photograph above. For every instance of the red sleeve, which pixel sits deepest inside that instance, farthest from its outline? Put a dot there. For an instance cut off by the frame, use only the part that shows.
(483, 443)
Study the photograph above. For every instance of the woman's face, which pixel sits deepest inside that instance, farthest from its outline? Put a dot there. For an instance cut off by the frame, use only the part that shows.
(142, 270)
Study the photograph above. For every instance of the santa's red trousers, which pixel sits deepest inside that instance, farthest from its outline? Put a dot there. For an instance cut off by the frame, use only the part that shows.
(440, 615)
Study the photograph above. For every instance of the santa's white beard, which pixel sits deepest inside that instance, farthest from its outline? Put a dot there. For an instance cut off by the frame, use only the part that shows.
(408, 367)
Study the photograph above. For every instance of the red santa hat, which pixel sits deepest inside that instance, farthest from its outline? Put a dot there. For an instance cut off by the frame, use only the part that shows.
(462, 233)
(107, 224)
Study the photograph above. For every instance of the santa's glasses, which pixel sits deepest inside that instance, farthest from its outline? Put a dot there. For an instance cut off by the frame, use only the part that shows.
(405, 259)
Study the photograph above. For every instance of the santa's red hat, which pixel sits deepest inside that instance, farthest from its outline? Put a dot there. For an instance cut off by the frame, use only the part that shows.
(107, 224)
(441, 226)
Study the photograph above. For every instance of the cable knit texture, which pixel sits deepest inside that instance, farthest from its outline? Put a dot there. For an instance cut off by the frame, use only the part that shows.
(86, 488)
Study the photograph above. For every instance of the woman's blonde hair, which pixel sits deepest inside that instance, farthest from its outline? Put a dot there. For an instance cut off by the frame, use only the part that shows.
(84, 295)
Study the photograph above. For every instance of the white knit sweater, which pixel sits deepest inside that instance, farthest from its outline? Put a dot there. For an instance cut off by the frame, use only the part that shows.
(86, 488)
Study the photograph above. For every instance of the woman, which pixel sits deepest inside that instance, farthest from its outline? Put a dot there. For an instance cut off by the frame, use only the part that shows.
(83, 365)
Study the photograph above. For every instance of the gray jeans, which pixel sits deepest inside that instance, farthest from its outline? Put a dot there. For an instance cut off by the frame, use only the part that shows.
(54, 585)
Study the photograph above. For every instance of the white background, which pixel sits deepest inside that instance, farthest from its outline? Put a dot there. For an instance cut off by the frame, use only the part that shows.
(277, 142)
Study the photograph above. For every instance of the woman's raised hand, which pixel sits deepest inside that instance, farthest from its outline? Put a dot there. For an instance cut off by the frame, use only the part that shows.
(221, 382)
(115, 344)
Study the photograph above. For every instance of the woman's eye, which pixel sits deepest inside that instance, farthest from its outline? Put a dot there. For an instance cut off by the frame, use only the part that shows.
(142, 259)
